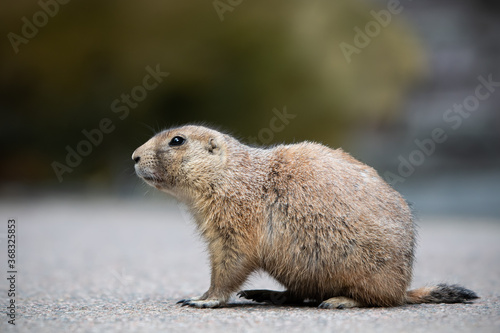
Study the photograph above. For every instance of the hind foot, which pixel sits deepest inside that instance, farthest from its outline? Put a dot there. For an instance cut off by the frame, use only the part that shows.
(269, 296)
(339, 303)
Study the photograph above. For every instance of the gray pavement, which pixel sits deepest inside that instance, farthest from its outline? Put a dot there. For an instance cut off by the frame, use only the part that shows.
(119, 266)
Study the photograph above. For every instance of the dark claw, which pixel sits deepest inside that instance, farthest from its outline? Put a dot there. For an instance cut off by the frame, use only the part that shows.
(184, 302)
(341, 306)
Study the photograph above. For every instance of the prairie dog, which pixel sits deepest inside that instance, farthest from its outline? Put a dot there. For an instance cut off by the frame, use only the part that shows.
(321, 223)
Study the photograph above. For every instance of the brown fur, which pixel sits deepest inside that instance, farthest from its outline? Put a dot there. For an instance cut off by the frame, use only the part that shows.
(323, 224)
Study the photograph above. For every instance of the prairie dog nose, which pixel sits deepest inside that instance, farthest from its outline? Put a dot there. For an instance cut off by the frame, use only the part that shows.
(136, 157)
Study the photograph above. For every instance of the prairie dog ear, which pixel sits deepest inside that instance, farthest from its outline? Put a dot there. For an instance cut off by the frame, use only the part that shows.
(212, 145)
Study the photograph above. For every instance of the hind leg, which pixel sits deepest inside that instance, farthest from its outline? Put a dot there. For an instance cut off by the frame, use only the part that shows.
(270, 296)
(340, 302)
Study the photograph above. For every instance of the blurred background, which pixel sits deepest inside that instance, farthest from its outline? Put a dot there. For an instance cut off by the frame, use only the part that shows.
(396, 84)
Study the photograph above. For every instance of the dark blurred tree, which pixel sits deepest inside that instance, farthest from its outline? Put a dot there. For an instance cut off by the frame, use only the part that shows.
(231, 73)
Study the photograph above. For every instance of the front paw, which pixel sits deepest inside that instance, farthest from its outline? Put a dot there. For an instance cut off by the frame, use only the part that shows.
(196, 302)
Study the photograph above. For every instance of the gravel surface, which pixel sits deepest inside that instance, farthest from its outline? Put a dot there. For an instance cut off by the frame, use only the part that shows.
(120, 266)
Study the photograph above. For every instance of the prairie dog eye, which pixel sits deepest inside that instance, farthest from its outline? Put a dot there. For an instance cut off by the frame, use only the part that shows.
(177, 141)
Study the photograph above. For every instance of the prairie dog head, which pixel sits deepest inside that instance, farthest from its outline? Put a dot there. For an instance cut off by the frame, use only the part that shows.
(182, 160)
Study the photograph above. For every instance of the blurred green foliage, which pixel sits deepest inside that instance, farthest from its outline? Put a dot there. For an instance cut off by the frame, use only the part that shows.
(229, 73)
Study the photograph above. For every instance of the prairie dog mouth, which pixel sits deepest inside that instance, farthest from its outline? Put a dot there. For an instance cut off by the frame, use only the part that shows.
(148, 176)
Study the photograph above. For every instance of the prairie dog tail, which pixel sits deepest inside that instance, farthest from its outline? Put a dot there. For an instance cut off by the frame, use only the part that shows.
(442, 293)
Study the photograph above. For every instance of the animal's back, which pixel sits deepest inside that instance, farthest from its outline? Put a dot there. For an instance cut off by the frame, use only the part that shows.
(330, 219)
